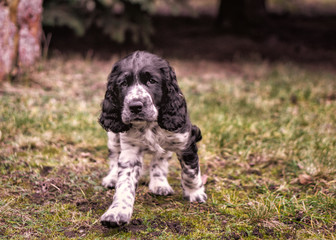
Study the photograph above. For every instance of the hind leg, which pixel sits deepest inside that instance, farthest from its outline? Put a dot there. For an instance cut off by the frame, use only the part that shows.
(193, 188)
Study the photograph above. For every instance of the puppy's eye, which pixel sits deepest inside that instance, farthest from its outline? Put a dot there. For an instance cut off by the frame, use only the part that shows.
(152, 81)
(126, 80)
(146, 78)
(124, 83)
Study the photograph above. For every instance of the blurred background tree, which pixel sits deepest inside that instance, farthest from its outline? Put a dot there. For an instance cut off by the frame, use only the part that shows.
(20, 34)
(132, 22)
(116, 18)
(122, 18)
(238, 12)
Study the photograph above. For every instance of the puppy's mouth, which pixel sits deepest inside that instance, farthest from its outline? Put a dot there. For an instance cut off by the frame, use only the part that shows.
(146, 115)
(138, 119)
(142, 119)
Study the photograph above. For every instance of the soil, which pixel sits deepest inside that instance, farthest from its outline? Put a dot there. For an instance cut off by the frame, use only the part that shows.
(159, 225)
(58, 189)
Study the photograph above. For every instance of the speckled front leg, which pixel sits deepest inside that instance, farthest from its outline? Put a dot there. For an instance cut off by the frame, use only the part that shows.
(158, 174)
(129, 170)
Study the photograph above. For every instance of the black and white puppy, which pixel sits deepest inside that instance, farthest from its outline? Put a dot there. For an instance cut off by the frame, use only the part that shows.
(143, 111)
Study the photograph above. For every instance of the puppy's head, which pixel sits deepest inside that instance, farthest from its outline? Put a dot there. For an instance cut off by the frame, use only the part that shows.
(142, 87)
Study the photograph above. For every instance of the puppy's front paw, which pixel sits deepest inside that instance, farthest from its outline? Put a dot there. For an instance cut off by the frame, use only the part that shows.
(109, 181)
(197, 195)
(161, 188)
(115, 218)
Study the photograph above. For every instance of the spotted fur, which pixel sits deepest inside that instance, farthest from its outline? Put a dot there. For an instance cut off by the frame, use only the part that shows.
(144, 111)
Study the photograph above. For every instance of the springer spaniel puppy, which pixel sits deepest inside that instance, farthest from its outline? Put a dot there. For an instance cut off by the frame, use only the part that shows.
(143, 111)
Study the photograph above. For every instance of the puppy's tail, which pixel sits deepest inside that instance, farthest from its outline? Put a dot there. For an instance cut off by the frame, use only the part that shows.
(196, 133)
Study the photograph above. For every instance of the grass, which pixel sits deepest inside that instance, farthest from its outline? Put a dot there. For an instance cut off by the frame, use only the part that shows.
(268, 149)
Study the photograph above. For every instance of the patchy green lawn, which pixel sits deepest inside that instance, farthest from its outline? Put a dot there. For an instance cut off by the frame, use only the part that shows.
(268, 149)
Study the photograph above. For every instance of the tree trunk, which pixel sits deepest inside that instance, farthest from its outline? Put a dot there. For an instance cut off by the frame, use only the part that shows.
(239, 12)
(232, 11)
(20, 35)
(256, 10)
(7, 43)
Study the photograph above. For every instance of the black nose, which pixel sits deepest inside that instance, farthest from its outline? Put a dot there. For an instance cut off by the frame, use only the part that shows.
(135, 107)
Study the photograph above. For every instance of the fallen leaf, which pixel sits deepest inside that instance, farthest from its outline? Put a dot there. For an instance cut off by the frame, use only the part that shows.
(305, 179)
(300, 166)
(204, 178)
(85, 154)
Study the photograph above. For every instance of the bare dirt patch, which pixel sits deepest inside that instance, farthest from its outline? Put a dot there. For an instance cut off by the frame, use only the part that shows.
(158, 225)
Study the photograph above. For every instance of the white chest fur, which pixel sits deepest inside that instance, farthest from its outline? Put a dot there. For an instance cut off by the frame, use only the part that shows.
(151, 137)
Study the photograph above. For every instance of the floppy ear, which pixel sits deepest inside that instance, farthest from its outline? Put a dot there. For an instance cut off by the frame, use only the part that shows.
(173, 109)
(110, 117)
